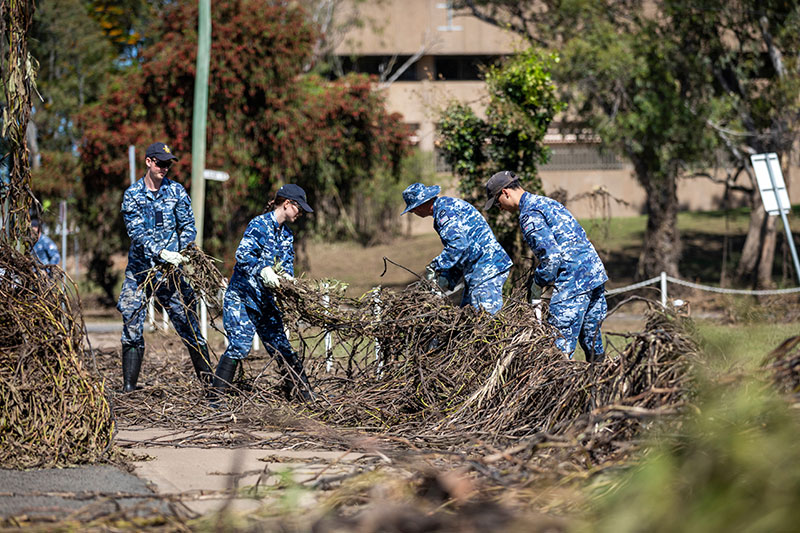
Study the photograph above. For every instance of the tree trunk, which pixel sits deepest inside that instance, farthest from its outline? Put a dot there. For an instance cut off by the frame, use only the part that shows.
(661, 249)
(758, 252)
(767, 257)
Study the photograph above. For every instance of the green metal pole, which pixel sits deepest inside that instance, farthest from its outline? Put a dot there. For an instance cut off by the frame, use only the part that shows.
(199, 116)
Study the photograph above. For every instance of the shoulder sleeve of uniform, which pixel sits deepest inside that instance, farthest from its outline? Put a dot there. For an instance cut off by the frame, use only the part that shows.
(184, 217)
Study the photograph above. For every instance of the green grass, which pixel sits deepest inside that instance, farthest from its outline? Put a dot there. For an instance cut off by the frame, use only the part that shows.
(741, 344)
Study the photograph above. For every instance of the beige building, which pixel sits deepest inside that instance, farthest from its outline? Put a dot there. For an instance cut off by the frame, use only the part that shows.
(427, 56)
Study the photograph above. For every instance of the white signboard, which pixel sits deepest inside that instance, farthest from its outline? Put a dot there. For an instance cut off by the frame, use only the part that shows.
(216, 175)
(772, 188)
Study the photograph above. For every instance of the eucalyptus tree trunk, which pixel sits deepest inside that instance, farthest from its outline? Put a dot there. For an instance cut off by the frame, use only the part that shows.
(661, 249)
(18, 71)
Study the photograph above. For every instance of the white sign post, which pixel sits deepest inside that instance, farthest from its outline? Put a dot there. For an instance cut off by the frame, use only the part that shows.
(215, 175)
(774, 195)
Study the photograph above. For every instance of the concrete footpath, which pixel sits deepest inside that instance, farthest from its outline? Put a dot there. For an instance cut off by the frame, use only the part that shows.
(170, 477)
(208, 479)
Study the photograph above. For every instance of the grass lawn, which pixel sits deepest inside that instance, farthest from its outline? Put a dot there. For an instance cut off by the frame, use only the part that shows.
(742, 345)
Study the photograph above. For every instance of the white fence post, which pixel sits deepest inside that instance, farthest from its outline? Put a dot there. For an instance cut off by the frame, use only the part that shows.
(164, 321)
(376, 302)
(326, 302)
(203, 318)
(151, 313)
(663, 289)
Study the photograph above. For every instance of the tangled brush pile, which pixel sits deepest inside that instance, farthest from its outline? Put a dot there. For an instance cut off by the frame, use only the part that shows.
(53, 412)
(784, 365)
(411, 363)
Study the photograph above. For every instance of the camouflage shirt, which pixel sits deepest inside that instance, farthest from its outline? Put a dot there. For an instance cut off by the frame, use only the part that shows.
(265, 243)
(567, 260)
(156, 220)
(470, 247)
(46, 251)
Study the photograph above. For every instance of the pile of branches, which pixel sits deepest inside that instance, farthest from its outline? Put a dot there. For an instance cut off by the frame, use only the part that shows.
(784, 365)
(410, 363)
(53, 410)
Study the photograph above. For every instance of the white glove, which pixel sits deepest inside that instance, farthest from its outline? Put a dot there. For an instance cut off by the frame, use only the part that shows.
(285, 275)
(173, 258)
(430, 273)
(271, 279)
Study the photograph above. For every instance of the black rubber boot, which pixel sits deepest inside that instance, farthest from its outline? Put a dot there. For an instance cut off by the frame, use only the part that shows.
(226, 370)
(131, 364)
(295, 381)
(200, 360)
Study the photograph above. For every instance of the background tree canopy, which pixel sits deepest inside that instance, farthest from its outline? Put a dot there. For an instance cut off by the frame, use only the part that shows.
(522, 103)
(666, 84)
(268, 124)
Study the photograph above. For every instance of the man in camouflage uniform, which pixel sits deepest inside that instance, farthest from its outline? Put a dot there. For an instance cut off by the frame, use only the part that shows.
(44, 249)
(470, 248)
(160, 223)
(567, 262)
(264, 256)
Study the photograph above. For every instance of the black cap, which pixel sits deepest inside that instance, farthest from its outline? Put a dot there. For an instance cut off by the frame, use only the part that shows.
(497, 183)
(290, 191)
(160, 151)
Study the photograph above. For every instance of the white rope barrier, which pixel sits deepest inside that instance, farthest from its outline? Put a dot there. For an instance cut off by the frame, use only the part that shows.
(664, 278)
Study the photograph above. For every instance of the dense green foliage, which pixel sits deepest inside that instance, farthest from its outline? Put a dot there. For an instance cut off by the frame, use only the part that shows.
(268, 124)
(522, 103)
(664, 84)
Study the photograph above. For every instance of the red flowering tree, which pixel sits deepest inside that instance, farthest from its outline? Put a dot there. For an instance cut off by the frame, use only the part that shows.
(268, 124)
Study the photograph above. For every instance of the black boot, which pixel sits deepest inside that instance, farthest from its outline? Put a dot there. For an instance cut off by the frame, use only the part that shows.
(200, 360)
(131, 364)
(295, 381)
(226, 370)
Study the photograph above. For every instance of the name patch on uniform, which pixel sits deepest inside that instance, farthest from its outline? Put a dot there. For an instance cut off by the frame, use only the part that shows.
(528, 225)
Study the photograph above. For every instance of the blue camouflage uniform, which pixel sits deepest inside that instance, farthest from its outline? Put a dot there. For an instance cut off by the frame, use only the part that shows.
(471, 250)
(249, 306)
(157, 220)
(569, 263)
(46, 251)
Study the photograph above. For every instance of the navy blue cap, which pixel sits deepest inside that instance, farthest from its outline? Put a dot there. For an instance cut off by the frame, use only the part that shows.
(290, 191)
(160, 151)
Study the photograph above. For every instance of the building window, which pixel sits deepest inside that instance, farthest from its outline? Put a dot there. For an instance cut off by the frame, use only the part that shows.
(462, 68)
(412, 132)
(382, 66)
(441, 163)
(581, 157)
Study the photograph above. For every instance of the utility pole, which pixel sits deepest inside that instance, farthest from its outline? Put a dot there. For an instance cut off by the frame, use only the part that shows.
(199, 116)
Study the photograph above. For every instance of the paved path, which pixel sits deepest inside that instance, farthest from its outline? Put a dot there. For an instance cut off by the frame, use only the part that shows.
(60, 492)
(208, 478)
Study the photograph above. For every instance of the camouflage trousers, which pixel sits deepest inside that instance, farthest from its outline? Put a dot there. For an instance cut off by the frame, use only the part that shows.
(487, 295)
(179, 302)
(242, 322)
(579, 319)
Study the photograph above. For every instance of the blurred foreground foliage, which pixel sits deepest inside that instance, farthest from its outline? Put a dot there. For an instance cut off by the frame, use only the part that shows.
(732, 465)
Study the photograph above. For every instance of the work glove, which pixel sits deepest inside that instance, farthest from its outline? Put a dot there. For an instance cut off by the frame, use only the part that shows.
(430, 273)
(439, 279)
(270, 278)
(173, 258)
(285, 275)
